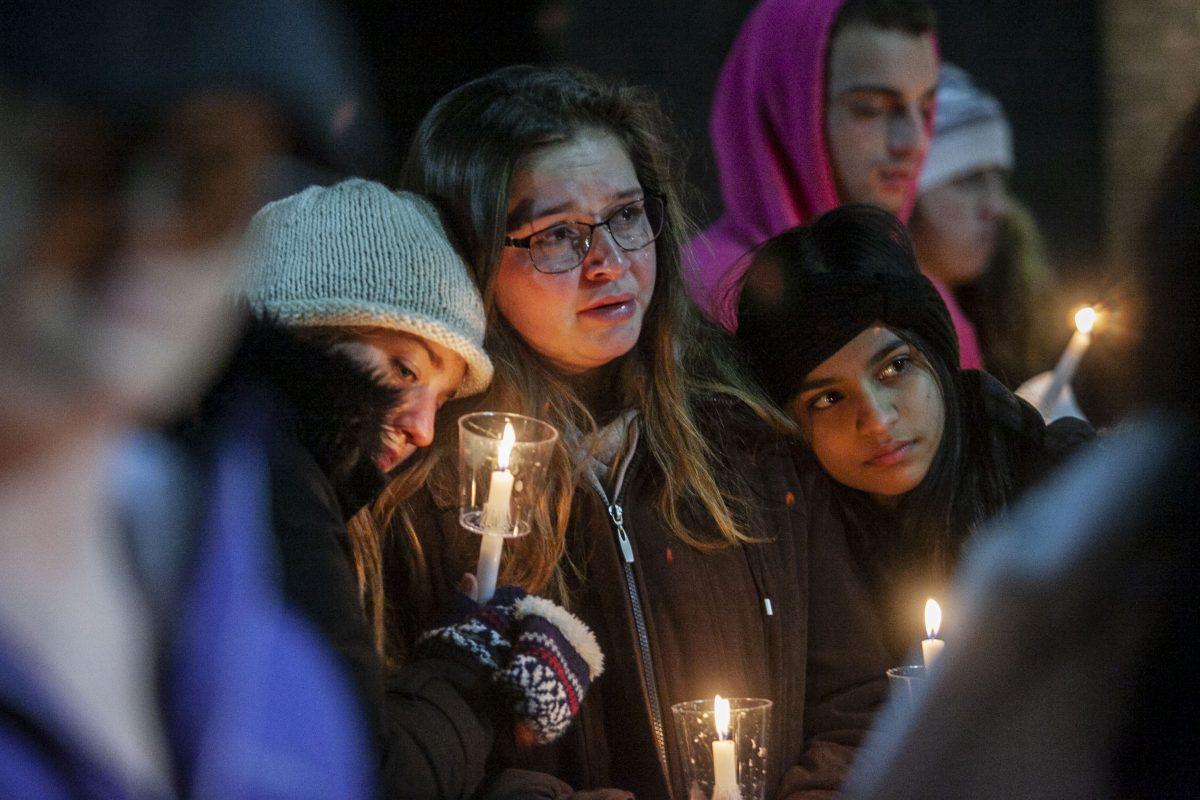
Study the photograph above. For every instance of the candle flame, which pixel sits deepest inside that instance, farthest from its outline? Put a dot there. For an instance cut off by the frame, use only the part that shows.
(1085, 318)
(933, 618)
(506, 445)
(721, 715)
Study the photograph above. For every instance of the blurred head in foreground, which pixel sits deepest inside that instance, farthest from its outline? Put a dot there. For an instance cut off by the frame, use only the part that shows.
(135, 142)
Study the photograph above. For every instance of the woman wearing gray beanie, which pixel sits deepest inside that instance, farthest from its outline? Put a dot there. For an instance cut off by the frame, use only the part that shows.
(364, 322)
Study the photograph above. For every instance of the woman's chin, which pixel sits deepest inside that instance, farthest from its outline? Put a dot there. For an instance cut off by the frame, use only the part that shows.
(890, 492)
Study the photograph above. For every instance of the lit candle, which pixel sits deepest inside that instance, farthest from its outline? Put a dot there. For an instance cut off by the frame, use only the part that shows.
(1064, 370)
(495, 517)
(931, 647)
(725, 785)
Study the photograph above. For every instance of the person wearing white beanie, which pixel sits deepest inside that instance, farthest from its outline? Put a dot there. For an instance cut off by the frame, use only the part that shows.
(961, 194)
(979, 243)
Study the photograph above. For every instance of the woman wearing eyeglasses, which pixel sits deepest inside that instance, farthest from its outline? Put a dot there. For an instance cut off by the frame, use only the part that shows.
(678, 527)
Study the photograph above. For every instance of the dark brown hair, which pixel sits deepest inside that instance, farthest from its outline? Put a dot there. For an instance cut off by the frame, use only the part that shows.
(914, 17)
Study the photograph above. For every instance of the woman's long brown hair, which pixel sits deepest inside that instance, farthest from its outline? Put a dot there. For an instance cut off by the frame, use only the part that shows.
(463, 157)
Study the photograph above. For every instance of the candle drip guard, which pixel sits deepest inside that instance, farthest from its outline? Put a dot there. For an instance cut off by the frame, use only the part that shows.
(907, 683)
(696, 728)
(479, 462)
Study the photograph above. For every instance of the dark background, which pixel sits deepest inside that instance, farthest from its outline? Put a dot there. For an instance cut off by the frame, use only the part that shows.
(1042, 60)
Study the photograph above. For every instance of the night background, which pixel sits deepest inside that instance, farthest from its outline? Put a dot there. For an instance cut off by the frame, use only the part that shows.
(1092, 89)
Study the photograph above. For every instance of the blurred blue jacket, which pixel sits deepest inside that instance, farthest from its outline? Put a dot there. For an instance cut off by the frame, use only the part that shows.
(253, 705)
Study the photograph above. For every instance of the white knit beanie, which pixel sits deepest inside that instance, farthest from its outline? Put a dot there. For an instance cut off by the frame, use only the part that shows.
(357, 253)
(970, 131)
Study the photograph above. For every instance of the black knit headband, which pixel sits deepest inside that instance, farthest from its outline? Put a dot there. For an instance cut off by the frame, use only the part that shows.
(786, 337)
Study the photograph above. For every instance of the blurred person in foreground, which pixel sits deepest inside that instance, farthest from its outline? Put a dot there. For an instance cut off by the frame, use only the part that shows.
(144, 648)
(1072, 676)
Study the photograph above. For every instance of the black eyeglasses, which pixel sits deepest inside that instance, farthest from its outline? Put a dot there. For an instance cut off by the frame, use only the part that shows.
(563, 246)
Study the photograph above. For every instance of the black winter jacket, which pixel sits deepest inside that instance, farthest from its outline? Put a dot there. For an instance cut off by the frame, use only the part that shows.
(1005, 435)
(677, 623)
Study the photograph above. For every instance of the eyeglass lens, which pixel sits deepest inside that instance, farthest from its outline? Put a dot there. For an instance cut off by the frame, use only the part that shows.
(563, 247)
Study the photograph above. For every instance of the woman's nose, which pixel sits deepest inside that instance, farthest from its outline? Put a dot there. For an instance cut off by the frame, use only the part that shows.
(606, 259)
(416, 415)
(995, 198)
(876, 413)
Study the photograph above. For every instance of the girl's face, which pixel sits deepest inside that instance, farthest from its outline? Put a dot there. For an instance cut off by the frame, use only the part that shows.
(873, 415)
(427, 375)
(957, 225)
(588, 316)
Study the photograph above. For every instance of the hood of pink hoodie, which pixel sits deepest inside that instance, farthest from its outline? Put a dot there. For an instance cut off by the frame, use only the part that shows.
(768, 137)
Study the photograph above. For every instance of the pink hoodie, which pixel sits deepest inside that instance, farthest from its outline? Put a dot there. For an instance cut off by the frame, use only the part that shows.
(768, 137)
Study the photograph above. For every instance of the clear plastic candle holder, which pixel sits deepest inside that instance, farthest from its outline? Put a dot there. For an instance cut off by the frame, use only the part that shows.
(696, 727)
(907, 683)
(481, 460)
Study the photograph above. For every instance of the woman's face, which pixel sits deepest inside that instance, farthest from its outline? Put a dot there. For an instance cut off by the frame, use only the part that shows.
(427, 375)
(957, 225)
(873, 414)
(588, 316)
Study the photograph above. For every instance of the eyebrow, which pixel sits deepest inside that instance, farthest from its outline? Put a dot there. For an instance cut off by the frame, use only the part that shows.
(434, 358)
(524, 213)
(879, 355)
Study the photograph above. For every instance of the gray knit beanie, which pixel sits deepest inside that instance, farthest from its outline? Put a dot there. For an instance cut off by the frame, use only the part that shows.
(357, 253)
(970, 131)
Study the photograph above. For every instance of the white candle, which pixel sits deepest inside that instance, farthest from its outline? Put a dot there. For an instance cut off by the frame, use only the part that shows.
(495, 518)
(725, 785)
(1064, 370)
(931, 647)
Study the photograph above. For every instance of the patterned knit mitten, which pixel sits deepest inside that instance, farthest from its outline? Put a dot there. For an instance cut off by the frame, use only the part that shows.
(554, 658)
(474, 634)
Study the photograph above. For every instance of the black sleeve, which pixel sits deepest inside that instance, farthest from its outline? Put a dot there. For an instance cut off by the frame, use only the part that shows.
(439, 730)
(1022, 441)
(847, 662)
(1064, 436)
(318, 571)
(440, 715)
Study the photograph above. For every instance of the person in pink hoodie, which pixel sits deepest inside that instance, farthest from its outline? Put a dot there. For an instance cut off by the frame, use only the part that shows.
(820, 103)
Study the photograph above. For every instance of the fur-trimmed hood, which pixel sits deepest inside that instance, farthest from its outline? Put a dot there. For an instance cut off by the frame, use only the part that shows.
(335, 407)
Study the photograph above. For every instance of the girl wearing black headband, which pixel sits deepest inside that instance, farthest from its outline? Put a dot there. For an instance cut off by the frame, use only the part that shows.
(849, 338)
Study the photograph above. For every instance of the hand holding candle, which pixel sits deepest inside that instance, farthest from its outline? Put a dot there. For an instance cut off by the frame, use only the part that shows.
(495, 519)
(1064, 370)
(725, 784)
(931, 647)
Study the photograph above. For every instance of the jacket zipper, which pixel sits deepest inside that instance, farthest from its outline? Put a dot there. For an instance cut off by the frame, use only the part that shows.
(617, 516)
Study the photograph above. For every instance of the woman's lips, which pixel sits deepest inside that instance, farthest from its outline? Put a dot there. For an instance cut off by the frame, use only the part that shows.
(892, 454)
(611, 309)
(395, 452)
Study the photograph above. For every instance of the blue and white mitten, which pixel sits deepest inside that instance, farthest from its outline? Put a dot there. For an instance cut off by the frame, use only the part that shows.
(474, 634)
(554, 659)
